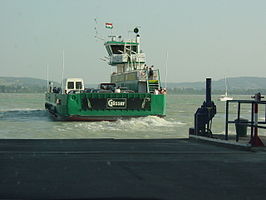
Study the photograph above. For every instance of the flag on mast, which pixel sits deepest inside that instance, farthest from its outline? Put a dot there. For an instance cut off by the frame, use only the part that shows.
(109, 25)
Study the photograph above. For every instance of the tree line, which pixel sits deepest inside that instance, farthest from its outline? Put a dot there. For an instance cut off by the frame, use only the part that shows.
(42, 89)
(214, 91)
(21, 89)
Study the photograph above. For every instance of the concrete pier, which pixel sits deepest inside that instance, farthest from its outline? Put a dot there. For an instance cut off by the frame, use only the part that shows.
(129, 169)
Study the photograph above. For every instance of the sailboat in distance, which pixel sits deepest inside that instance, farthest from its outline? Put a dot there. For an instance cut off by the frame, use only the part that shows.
(225, 97)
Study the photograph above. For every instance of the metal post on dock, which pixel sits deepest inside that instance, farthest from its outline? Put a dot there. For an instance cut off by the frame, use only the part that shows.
(238, 119)
(208, 92)
(226, 120)
(255, 140)
(252, 120)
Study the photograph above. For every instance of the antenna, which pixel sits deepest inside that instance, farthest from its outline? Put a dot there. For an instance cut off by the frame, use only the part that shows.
(103, 59)
(63, 69)
(47, 77)
(166, 63)
(96, 30)
(226, 86)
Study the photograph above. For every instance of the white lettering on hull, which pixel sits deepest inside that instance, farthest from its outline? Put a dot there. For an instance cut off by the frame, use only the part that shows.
(116, 103)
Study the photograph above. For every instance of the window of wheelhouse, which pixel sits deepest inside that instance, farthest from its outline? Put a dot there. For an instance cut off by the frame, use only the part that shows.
(117, 49)
(70, 85)
(134, 48)
(131, 49)
(78, 85)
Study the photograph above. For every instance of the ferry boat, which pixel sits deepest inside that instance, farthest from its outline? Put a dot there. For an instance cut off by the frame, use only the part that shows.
(134, 89)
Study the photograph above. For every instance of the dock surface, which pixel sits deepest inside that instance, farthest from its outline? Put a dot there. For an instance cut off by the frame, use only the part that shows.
(129, 169)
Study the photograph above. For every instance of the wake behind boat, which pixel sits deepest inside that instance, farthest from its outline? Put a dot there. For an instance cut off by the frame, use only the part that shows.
(134, 90)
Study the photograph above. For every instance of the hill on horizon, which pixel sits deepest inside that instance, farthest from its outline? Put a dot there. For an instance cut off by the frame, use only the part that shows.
(23, 81)
(242, 83)
(30, 82)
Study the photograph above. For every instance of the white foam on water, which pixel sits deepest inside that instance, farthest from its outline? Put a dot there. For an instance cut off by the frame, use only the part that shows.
(150, 124)
(181, 111)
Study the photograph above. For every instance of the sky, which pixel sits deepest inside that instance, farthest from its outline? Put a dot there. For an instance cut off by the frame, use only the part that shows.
(206, 38)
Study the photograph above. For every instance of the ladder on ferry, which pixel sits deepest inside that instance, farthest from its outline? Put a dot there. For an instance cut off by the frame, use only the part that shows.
(153, 85)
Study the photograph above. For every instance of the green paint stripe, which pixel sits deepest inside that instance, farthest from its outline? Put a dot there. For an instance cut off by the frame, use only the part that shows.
(115, 42)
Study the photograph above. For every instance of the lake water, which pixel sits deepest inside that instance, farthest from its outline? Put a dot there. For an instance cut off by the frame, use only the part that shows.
(24, 116)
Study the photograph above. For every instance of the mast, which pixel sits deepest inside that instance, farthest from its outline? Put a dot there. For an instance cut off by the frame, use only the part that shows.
(47, 77)
(166, 66)
(225, 80)
(63, 71)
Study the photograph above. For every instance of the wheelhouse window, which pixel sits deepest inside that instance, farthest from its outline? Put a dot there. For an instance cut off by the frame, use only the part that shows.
(117, 49)
(131, 49)
(78, 85)
(70, 85)
(134, 48)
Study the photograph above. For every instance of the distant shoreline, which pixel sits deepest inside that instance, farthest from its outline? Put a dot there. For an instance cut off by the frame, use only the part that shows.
(194, 91)
(174, 91)
(236, 86)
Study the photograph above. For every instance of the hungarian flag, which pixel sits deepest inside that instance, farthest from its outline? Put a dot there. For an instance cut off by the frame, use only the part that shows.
(109, 25)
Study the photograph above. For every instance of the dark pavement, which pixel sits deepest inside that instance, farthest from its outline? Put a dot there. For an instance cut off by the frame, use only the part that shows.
(129, 169)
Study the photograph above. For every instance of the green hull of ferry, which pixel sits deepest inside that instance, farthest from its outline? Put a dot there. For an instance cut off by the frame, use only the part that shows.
(97, 106)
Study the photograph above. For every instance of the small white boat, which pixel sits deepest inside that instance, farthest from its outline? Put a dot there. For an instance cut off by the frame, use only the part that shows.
(225, 97)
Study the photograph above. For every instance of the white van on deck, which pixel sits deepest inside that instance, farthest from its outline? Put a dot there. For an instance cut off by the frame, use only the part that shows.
(74, 85)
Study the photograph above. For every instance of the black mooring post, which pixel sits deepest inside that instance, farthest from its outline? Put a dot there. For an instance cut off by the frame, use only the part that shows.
(226, 120)
(205, 113)
(208, 92)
